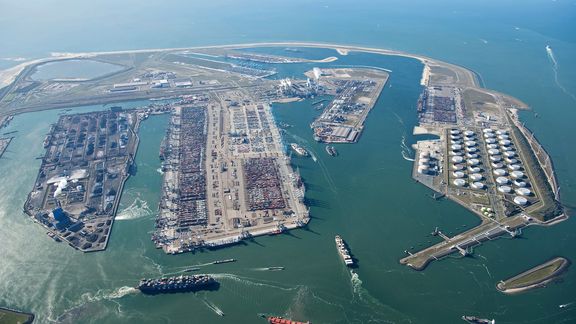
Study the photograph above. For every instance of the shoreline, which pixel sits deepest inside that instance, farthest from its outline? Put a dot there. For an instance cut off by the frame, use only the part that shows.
(9, 75)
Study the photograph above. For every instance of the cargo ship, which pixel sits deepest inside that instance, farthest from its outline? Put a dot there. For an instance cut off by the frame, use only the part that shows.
(343, 251)
(476, 320)
(176, 284)
(280, 320)
(299, 149)
(331, 150)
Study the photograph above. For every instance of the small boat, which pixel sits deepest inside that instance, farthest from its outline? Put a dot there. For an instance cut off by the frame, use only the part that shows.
(331, 150)
(224, 261)
(274, 268)
(191, 269)
(477, 320)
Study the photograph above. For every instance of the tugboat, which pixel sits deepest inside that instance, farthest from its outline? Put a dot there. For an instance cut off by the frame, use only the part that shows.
(331, 150)
(343, 251)
(176, 284)
(474, 319)
(299, 149)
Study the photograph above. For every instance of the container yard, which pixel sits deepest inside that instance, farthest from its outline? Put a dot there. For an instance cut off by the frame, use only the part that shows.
(226, 176)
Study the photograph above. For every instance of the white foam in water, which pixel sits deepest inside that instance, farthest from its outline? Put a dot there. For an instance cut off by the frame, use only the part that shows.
(213, 307)
(554, 62)
(138, 209)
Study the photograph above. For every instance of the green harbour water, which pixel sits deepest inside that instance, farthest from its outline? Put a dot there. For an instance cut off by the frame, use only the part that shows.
(366, 194)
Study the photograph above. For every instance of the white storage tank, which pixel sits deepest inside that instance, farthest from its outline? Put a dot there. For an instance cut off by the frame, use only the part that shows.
(456, 147)
(504, 142)
(488, 130)
(500, 172)
(495, 158)
(508, 148)
(457, 159)
(457, 167)
(512, 161)
(471, 149)
(455, 131)
(470, 143)
(503, 137)
(502, 180)
(469, 133)
(514, 167)
(520, 201)
(492, 146)
(490, 140)
(505, 189)
(489, 135)
(454, 137)
(517, 174)
(460, 182)
(523, 191)
(473, 161)
(423, 169)
(509, 154)
(476, 176)
(520, 183)
(497, 165)
(453, 142)
(472, 155)
(474, 169)
(477, 185)
(453, 153)
(459, 174)
(502, 132)
(493, 151)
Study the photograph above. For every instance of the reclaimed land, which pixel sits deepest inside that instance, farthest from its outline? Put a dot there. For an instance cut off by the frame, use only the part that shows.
(535, 277)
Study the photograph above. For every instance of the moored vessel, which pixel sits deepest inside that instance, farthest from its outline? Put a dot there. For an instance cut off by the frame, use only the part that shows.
(224, 261)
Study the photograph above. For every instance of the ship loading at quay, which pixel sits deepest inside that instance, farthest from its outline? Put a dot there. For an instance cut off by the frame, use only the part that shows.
(344, 251)
(177, 284)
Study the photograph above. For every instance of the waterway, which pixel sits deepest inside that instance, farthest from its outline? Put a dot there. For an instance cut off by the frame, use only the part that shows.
(365, 194)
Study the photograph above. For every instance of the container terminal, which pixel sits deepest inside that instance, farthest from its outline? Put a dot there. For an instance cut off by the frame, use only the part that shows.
(227, 176)
(240, 180)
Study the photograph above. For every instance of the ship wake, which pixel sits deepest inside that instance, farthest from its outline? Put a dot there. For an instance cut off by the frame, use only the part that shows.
(137, 209)
(554, 62)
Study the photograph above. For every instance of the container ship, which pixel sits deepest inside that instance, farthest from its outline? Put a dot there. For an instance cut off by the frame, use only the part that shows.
(176, 284)
(299, 149)
(331, 150)
(344, 252)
